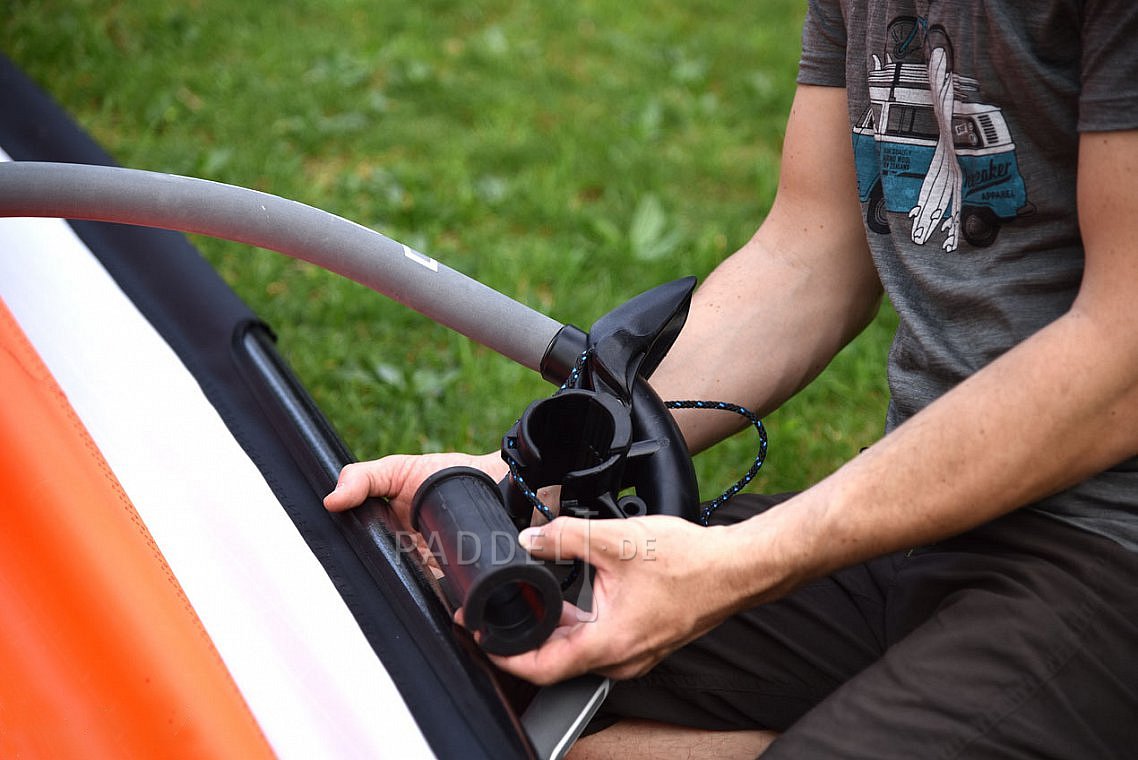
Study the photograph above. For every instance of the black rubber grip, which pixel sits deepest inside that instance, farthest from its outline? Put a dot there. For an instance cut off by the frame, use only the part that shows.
(510, 599)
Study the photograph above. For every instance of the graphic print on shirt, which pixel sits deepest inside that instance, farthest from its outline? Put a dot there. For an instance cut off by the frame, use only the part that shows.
(930, 148)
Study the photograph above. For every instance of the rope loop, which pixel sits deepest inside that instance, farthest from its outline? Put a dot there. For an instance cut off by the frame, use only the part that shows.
(760, 458)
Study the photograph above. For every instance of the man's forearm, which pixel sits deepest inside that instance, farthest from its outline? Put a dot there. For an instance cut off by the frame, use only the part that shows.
(761, 327)
(1048, 414)
(1056, 409)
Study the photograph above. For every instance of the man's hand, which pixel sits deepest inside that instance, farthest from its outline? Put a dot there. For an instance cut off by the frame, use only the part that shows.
(397, 478)
(660, 582)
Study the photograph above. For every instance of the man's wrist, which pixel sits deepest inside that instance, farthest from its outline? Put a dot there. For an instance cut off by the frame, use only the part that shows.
(774, 552)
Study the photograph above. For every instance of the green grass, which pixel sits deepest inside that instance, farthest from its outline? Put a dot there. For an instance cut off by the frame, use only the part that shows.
(570, 155)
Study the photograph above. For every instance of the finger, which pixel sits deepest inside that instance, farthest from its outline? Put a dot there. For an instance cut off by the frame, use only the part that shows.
(564, 654)
(532, 666)
(550, 496)
(571, 614)
(427, 557)
(568, 538)
(350, 491)
(360, 480)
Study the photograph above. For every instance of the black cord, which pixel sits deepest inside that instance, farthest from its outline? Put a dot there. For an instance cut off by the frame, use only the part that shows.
(741, 483)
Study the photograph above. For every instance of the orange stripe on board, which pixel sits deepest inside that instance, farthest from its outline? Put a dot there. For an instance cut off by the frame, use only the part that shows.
(101, 654)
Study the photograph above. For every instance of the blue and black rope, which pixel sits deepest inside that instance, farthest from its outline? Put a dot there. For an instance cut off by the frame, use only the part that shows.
(529, 493)
(574, 378)
(760, 458)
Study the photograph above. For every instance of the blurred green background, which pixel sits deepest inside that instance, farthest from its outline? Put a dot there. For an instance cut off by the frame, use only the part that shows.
(570, 155)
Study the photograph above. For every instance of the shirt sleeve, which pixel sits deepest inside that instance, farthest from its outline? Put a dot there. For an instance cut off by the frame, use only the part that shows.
(823, 60)
(1109, 94)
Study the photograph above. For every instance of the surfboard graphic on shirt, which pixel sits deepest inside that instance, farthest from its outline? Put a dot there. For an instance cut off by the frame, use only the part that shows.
(930, 149)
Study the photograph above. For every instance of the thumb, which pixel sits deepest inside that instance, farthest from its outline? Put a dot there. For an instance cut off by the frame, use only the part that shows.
(569, 538)
(360, 480)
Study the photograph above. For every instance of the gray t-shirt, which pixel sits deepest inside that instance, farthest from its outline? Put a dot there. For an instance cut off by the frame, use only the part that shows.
(965, 118)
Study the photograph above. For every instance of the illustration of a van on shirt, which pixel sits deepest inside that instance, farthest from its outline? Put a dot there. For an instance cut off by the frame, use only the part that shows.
(896, 141)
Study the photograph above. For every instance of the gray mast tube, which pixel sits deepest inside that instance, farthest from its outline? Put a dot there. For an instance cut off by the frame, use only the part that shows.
(149, 199)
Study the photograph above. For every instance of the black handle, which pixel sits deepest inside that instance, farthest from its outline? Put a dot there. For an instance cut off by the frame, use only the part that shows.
(664, 476)
(512, 601)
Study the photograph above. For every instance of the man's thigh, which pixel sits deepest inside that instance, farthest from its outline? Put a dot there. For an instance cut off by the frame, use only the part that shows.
(1014, 641)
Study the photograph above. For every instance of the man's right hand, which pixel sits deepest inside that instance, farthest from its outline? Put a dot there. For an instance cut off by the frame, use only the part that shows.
(397, 478)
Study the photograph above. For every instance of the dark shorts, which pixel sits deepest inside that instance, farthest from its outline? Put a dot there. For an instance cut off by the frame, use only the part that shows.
(1016, 640)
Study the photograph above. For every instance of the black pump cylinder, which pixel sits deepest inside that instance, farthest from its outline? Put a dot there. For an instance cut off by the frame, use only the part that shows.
(512, 601)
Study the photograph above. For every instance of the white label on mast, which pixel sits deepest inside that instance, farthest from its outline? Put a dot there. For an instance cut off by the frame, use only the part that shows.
(420, 259)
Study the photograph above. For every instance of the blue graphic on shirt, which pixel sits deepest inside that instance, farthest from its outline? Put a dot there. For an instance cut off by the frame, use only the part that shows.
(928, 147)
